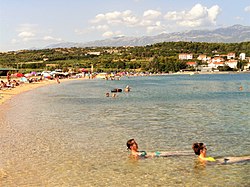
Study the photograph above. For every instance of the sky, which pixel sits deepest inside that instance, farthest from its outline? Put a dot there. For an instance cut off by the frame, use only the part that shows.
(27, 24)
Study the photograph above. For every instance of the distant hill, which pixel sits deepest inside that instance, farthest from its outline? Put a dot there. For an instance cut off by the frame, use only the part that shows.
(232, 34)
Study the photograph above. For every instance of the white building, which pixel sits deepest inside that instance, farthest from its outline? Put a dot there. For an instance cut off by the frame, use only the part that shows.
(216, 59)
(243, 56)
(215, 64)
(185, 56)
(202, 57)
(231, 56)
(232, 63)
(94, 53)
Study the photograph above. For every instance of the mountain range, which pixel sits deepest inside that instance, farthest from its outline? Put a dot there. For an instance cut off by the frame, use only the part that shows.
(232, 34)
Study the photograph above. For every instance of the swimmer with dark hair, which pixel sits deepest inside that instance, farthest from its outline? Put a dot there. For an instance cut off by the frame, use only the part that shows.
(133, 147)
(135, 153)
(200, 149)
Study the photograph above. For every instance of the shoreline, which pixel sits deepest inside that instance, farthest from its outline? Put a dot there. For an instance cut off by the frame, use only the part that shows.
(8, 94)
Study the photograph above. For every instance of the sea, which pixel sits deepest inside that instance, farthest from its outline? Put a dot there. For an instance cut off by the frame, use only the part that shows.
(71, 134)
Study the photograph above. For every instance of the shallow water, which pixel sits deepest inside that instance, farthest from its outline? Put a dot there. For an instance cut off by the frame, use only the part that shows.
(70, 134)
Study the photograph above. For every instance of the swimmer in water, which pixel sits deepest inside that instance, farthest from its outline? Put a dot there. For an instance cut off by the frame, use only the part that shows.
(200, 149)
(135, 153)
(133, 147)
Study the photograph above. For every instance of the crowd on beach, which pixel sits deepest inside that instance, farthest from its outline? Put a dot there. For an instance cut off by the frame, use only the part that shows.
(10, 83)
(14, 84)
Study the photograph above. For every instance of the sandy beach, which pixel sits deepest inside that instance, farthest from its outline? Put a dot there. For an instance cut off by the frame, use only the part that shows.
(7, 94)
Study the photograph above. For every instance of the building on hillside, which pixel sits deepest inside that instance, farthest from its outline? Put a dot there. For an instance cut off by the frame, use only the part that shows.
(192, 64)
(216, 64)
(185, 56)
(232, 63)
(112, 51)
(202, 58)
(216, 59)
(231, 56)
(94, 53)
(242, 56)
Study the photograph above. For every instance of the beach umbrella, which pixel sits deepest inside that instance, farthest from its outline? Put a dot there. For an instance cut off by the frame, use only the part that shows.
(33, 73)
(17, 75)
(46, 75)
(27, 75)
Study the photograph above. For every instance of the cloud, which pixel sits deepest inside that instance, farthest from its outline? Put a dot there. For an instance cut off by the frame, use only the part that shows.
(197, 16)
(50, 38)
(109, 34)
(151, 14)
(30, 33)
(247, 9)
(157, 27)
(151, 21)
(145, 23)
(26, 34)
(113, 18)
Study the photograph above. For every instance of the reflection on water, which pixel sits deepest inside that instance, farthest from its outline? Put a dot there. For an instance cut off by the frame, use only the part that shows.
(71, 134)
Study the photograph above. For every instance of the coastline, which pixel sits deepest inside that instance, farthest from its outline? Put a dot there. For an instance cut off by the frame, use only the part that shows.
(8, 94)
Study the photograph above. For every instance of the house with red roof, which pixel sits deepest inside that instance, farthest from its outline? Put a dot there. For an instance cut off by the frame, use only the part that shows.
(193, 64)
(216, 62)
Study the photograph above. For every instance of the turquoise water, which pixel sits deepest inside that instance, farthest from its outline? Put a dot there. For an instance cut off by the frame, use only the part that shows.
(70, 134)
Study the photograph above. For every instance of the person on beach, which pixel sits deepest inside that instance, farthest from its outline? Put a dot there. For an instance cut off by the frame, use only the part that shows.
(135, 153)
(8, 77)
(200, 149)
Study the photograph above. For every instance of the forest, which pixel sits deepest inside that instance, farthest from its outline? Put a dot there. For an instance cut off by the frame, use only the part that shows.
(160, 57)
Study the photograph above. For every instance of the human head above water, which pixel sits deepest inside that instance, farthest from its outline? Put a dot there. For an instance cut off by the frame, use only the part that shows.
(198, 147)
(130, 143)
